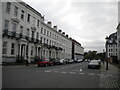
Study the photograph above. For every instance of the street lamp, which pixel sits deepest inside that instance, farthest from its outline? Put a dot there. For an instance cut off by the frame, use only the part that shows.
(106, 53)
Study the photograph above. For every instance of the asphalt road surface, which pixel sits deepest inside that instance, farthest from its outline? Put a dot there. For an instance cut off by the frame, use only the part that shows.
(75, 75)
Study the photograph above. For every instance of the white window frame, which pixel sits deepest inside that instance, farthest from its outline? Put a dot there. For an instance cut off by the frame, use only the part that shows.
(16, 11)
(13, 49)
(8, 7)
(4, 48)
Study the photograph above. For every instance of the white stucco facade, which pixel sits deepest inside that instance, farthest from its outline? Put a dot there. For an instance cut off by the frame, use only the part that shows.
(79, 51)
(26, 35)
(0, 45)
(111, 45)
(118, 31)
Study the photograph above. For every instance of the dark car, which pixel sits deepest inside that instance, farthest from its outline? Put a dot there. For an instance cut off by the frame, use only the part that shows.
(93, 64)
(70, 61)
(44, 62)
(55, 61)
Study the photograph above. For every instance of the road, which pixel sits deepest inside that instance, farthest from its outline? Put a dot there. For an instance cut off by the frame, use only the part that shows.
(61, 76)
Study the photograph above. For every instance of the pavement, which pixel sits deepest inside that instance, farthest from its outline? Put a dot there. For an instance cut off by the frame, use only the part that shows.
(109, 78)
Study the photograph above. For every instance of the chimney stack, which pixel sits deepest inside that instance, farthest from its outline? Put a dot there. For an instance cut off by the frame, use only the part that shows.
(42, 18)
(49, 24)
(63, 33)
(59, 31)
(67, 35)
(55, 27)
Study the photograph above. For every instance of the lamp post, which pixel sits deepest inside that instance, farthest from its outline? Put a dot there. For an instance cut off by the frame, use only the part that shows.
(107, 53)
(103, 56)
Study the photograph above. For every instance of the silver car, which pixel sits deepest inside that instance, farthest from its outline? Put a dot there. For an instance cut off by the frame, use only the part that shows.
(93, 64)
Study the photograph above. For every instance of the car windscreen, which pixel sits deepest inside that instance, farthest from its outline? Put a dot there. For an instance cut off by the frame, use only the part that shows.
(94, 61)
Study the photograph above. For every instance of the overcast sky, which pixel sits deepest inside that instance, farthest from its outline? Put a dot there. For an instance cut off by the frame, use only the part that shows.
(88, 21)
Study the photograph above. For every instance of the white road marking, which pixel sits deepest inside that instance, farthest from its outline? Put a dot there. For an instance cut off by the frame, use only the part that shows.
(100, 74)
(38, 71)
(91, 74)
(75, 70)
(56, 71)
(24, 70)
(64, 67)
(72, 73)
(109, 75)
(81, 73)
(63, 72)
(47, 71)
(80, 70)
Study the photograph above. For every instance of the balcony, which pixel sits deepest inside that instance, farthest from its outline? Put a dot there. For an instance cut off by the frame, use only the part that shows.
(37, 41)
(32, 40)
(60, 48)
(5, 32)
(27, 38)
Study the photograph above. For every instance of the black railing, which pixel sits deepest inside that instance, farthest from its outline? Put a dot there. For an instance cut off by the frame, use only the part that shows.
(27, 38)
(37, 41)
(5, 32)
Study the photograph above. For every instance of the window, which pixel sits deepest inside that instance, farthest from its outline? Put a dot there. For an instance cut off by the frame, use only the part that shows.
(44, 40)
(21, 29)
(4, 48)
(50, 42)
(41, 30)
(12, 49)
(14, 27)
(6, 26)
(47, 41)
(32, 34)
(22, 14)
(37, 35)
(41, 39)
(8, 7)
(28, 32)
(28, 18)
(38, 23)
(31, 50)
(45, 31)
(48, 33)
(16, 11)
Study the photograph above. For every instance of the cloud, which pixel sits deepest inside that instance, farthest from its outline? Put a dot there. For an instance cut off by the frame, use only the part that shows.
(89, 22)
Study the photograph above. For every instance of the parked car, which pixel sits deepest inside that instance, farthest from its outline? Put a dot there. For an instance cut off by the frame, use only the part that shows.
(66, 61)
(93, 64)
(86, 60)
(55, 61)
(99, 60)
(44, 62)
(62, 61)
(79, 60)
(75, 60)
(70, 61)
